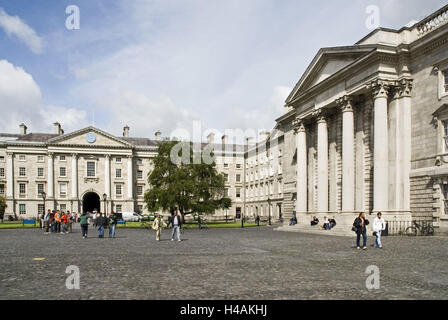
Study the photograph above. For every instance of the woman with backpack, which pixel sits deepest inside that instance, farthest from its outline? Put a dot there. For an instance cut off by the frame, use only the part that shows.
(360, 227)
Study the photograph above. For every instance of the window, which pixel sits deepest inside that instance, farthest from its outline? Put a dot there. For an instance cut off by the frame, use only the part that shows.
(118, 208)
(62, 172)
(61, 158)
(118, 160)
(2, 189)
(238, 192)
(22, 188)
(40, 158)
(40, 189)
(238, 178)
(139, 162)
(226, 165)
(22, 172)
(2, 159)
(238, 165)
(445, 80)
(226, 192)
(118, 190)
(139, 174)
(22, 209)
(40, 209)
(445, 135)
(2, 172)
(91, 169)
(226, 177)
(139, 190)
(118, 173)
(22, 157)
(445, 197)
(63, 207)
(63, 189)
(140, 208)
(40, 172)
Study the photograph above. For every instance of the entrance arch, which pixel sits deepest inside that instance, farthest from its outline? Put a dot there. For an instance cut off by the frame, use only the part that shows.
(91, 202)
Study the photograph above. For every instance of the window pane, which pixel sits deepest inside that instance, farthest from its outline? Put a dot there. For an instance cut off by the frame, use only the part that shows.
(91, 169)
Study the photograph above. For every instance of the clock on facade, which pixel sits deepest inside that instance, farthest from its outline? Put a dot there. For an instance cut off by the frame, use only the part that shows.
(91, 137)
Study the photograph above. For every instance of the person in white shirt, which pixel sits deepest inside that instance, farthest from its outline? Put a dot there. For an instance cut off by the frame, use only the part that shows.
(378, 226)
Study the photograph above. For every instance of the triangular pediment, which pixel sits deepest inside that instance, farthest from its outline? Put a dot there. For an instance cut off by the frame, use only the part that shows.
(326, 63)
(90, 136)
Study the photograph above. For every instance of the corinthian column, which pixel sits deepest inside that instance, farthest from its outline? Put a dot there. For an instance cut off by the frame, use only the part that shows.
(405, 86)
(130, 179)
(299, 130)
(348, 154)
(322, 162)
(10, 176)
(74, 176)
(50, 176)
(381, 146)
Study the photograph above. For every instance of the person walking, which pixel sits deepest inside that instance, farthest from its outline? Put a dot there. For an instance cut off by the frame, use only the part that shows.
(100, 223)
(70, 218)
(57, 218)
(47, 221)
(361, 224)
(177, 224)
(158, 225)
(84, 222)
(52, 222)
(112, 225)
(64, 221)
(379, 225)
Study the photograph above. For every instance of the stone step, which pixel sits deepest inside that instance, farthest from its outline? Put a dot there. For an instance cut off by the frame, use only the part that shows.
(340, 231)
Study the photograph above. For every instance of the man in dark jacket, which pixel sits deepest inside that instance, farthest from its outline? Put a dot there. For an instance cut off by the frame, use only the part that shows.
(361, 224)
(100, 222)
(176, 221)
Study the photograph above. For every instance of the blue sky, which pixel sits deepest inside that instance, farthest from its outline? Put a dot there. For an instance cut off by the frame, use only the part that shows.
(160, 65)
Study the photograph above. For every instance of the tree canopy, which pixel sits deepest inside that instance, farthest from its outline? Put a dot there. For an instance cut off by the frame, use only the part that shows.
(190, 185)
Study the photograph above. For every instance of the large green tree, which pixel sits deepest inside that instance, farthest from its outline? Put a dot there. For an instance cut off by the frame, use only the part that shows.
(191, 185)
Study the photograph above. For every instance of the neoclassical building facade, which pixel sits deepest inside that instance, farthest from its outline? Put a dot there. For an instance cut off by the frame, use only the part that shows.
(90, 169)
(365, 128)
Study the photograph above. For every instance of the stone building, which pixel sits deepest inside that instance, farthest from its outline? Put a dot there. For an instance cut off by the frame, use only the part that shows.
(90, 169)
(365, 128)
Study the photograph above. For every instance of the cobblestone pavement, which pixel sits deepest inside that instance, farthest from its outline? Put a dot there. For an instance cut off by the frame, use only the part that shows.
(251, 263)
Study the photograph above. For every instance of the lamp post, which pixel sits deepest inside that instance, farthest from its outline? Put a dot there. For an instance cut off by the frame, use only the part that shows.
(44, 196)
(269, 210)
(105, 203)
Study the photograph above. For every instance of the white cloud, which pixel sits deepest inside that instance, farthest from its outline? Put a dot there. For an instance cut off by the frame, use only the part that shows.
(13, 25)
(21, 102)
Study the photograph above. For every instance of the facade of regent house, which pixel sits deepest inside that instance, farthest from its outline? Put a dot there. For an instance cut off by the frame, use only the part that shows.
(90, 169)
(365, 129)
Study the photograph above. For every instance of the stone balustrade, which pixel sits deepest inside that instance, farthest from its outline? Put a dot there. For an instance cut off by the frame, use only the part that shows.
(432, 22)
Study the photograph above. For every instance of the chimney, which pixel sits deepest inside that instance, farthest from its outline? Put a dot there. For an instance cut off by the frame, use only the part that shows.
(224, 139)
(23, 129)
(158, 135)
(211, 138)
(126, 131)
(57, 128)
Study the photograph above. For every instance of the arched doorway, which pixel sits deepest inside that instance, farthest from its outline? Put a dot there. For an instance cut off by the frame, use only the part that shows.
(90, 202)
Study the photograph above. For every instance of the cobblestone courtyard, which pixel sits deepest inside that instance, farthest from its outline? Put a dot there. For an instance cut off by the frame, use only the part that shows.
(252, 263)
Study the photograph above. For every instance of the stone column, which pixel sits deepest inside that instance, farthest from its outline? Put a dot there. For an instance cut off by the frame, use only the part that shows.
(107, 175)
(74, 176)
(348, 154)
(322, 162)
(10, 175)
(50, 192)
(301, 184)
(405, 87)
(380, 145)
(130, 178)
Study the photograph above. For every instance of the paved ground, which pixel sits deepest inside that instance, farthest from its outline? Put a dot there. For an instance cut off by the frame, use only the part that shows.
(254, 263)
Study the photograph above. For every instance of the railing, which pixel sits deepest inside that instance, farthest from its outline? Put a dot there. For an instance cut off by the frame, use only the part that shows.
(432, 22)
(395, 228)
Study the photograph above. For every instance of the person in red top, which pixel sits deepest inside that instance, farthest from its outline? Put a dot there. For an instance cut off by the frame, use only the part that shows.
(64, 220)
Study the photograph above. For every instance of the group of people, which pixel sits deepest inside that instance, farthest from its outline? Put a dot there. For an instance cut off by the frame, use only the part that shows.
(55, 221)
(175, 221)
(360, 228)
(100, 221)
